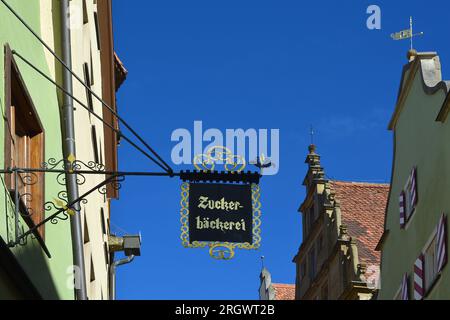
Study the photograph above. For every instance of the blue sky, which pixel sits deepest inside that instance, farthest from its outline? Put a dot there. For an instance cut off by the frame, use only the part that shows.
(255, 64)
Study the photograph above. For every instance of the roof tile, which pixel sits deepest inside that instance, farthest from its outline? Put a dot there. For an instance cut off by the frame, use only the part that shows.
(362, 211)
(284, 291)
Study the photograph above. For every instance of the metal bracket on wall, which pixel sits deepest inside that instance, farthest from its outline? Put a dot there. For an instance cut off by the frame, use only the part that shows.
(59, 209)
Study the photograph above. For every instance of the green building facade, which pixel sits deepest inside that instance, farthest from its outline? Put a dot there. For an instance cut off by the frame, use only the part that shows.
(414, 244)
(26, 271)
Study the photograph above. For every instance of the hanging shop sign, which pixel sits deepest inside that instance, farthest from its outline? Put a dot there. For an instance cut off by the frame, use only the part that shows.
(220, 210)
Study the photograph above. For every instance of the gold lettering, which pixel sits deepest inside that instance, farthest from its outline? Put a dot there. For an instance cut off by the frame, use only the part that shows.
(222, 204)
(203, 202)
(199, 223)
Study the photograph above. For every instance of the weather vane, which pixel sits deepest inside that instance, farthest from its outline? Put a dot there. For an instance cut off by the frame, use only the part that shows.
(406, 34)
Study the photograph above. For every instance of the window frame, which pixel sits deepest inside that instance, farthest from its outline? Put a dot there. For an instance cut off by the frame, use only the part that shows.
(407, 189)
(15, 88)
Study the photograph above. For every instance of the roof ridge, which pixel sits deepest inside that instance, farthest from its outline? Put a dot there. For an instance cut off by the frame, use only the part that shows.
(363, 183)
(284, 284)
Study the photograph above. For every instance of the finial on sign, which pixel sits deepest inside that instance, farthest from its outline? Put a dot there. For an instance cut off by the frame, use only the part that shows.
(406, 34)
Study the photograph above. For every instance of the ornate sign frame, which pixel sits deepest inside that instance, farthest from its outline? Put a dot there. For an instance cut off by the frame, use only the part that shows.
(234, 166)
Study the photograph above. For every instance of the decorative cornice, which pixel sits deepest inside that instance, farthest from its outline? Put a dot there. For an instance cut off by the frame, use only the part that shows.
(430, 70)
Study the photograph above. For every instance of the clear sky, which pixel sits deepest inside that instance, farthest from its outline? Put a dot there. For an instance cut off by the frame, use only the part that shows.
(255, 64)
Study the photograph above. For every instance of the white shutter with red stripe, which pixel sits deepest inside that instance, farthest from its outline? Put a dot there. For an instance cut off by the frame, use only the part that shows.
(419, 278)
(413, 191)
(441, 243)
(404, 292)
(401, 203)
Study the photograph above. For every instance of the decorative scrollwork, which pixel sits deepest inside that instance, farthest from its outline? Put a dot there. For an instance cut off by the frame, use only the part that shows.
(219, 155)
(26, 198)
(78, 165)
(52, 163)
(28, 178)
(61, 204)
(116, 184)
(222, 251)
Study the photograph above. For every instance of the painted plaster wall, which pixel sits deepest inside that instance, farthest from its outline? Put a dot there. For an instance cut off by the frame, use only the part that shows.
(85, 50)
(419, 141)
(49, 275)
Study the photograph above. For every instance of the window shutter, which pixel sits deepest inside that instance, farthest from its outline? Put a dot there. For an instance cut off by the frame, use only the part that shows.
(414, 194)
(405, 293)
(441, 243)
(419, 278)
(402, 208)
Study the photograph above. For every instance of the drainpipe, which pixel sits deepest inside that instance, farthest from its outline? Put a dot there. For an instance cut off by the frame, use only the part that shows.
(112, 275)
(69, 149)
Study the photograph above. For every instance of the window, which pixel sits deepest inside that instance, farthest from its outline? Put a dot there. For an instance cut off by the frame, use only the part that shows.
(94, 144)
(410, 195)
(430, 265)
(97, 30)
(24, 143)
(403, 291)
(435, 253)
(85, 14)
(102, 218)
(105, 250)
(87, 82)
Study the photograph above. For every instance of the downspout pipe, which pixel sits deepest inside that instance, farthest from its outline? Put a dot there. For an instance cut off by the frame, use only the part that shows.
(69, 149)
(112, 275)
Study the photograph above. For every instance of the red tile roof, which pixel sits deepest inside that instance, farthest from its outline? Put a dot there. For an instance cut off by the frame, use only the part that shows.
(362, 211)
(284, 291)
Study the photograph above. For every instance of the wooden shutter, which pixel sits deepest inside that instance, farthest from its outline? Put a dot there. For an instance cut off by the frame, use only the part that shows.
(405, 289)
(402, 208)
(441, 243)
(414, 194)
(419, 278)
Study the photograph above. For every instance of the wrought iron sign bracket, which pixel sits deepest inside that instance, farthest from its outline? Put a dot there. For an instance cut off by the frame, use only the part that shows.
(21, 195)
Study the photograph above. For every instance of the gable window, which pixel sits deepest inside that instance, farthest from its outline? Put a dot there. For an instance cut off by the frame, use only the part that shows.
(408, 198)
(23, 144)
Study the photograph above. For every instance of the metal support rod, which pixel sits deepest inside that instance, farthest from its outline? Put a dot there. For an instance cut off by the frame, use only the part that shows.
(70, 150)
(89, 110)
(68, 68)
(67, 207)
(16, 205)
